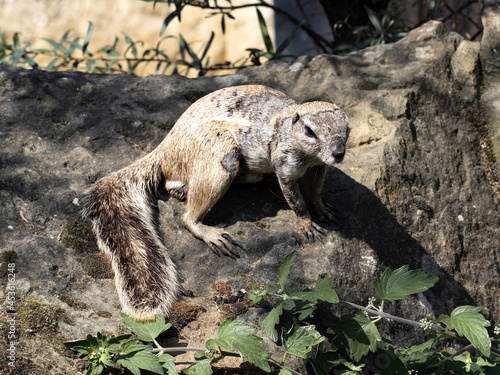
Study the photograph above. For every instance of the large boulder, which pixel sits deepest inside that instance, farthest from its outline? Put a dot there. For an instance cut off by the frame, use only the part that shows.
(418, 186)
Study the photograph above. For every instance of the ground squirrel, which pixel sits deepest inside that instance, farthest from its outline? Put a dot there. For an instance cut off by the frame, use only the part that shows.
(235, 134)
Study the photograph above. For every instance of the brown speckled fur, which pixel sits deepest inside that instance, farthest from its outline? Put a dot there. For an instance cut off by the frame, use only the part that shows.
(234, 134)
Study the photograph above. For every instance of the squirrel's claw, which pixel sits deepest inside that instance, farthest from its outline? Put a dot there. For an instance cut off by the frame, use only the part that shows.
(221, 248)
(224, 245)
(233, 241)
(220, 242)
(314, 233)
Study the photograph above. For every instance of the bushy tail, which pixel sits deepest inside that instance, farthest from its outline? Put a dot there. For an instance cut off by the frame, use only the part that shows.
(120, 207)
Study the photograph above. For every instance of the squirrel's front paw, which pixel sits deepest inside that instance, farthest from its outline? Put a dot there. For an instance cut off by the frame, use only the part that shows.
(221, 242)
(312, 231)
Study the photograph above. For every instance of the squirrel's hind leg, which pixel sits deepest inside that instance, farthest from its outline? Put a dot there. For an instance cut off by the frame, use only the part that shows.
(212, 173)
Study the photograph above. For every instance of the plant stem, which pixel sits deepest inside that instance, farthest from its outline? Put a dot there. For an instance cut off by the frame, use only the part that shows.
(275, 363)
(466, 349)
(159, 346)
(395, 318)
(284, 296)
(178, 349)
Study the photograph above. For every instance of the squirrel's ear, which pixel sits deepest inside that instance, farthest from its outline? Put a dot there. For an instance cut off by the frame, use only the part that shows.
(295, 118)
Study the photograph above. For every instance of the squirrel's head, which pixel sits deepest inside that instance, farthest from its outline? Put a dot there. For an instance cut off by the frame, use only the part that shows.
(321, 130)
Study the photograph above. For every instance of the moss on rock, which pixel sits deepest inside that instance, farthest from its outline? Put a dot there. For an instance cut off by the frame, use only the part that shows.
(38, 318)
(78, 235)
(77, 305)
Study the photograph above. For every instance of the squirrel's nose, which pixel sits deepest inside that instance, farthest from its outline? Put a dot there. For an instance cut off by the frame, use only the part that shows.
(338, 149)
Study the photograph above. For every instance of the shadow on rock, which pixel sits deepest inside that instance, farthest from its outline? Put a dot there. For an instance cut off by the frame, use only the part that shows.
(363, 216)
(366, 218)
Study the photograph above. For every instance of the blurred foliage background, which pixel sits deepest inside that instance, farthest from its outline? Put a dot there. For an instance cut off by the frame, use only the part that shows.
(199, 37)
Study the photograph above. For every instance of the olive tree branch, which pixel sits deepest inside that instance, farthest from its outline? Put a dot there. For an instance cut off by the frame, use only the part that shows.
(323, 44)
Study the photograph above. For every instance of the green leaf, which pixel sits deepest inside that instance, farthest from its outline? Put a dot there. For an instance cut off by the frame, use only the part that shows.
(72, 46)
(288, 39)
(285, 267)
(52, 65)
(202, 366)
(223, 23)
(2, 36)
(257, 295)
(87, 37)
(101, 353)
(95, 369)
(131, 44)
(271, 320)
(16, 56)
(374, 20)
(275, 371)
(57, 46)
(105, 359)
(83, 347)
(235, 335)
(469, 322)
(300, 340)
(115, 342)
(360, 333)
(418, 348)
(323, 291)
(420, 357)
(485, 362)
(265, 32)
(149, 330)
(136, 357)
(473, 366)
(168, 363)
(303, 309)
(167, 21)
(184, 46)
(325, 361)
(65, 36)
(15, 40)
(178, 9)
(387, 361)
(207, 47)
(468, 362)
(399, 284)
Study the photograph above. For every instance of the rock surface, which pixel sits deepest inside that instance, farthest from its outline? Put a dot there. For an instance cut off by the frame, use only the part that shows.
(417, 187)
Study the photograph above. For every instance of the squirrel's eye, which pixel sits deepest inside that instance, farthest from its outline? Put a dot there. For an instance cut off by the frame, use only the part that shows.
(309, 132)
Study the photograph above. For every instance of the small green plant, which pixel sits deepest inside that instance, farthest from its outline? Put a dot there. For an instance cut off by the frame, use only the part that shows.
(356, 335)
(342, 349)
(133, 353)
(380, 29)
(71, 52)
(270, 53)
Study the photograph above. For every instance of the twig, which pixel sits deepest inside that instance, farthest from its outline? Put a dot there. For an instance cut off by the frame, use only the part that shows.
(323, 44)
(144, 60)
(178, 350)
(273, 362)
(385, 315)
